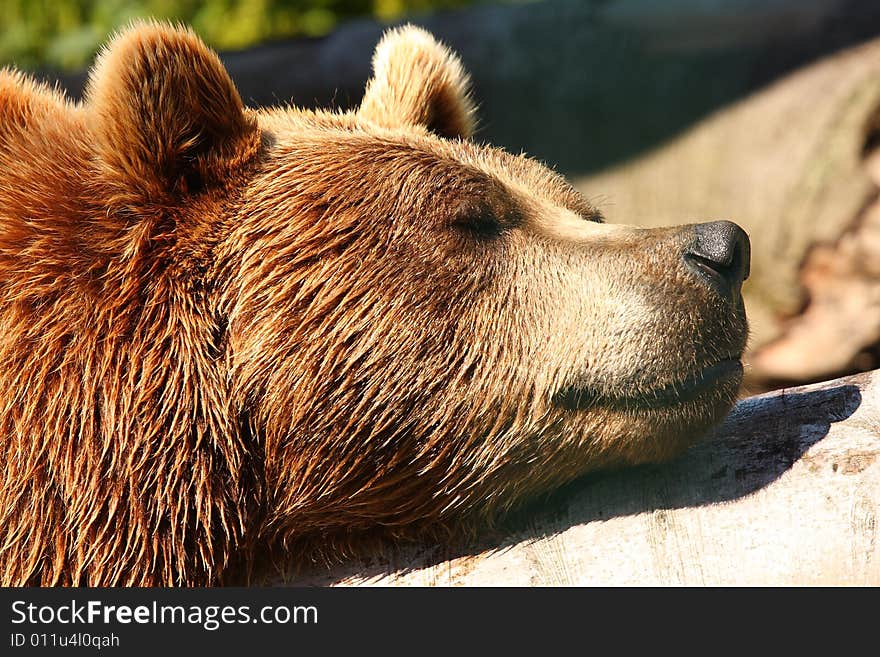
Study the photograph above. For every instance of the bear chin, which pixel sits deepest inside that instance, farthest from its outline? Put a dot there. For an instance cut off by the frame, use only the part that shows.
(653, 425)
(721, 379)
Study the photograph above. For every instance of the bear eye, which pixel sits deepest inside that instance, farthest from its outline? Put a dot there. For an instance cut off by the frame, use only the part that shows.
(482, 221)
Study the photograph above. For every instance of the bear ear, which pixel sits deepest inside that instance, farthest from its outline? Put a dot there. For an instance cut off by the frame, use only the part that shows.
(418, 82)
(168, 119)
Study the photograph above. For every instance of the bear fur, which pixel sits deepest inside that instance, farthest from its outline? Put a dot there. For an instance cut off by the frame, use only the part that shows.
(223, 329)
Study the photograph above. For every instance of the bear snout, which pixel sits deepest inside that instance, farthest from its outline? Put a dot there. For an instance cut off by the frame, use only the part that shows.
(719, 254)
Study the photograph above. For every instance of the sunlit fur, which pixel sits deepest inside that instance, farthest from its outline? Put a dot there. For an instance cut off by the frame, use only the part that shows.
(224, 329)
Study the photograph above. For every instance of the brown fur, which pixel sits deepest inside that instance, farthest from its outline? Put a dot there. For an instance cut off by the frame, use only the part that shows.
(222, 329)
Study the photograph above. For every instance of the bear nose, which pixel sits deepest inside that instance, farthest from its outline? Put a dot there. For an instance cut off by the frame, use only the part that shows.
(719, 255)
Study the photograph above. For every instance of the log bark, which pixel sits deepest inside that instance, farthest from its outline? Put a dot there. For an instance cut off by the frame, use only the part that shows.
(785, 492)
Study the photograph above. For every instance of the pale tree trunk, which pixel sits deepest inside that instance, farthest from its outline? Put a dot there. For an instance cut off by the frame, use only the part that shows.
(787, 491)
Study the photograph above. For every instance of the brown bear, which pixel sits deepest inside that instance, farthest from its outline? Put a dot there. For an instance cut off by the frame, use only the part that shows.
(223, 329)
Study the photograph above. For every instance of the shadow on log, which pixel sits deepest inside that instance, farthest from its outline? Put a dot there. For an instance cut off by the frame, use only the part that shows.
(787, 491)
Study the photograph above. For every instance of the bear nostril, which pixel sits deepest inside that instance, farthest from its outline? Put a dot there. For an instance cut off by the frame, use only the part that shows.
(719, 254)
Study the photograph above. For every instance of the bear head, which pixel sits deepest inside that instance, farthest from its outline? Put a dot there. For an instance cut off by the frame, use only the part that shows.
(363, 319)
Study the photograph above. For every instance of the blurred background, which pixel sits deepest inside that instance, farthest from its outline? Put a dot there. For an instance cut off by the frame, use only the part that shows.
(765, 112)
(65, 34)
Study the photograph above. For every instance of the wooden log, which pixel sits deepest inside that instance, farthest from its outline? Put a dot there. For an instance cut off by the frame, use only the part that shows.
(786, 492)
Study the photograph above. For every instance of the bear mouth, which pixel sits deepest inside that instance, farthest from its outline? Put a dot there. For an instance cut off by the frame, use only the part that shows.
(728, 371)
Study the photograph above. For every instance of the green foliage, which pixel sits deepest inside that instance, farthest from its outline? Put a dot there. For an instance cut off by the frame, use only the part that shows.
(66, 33)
